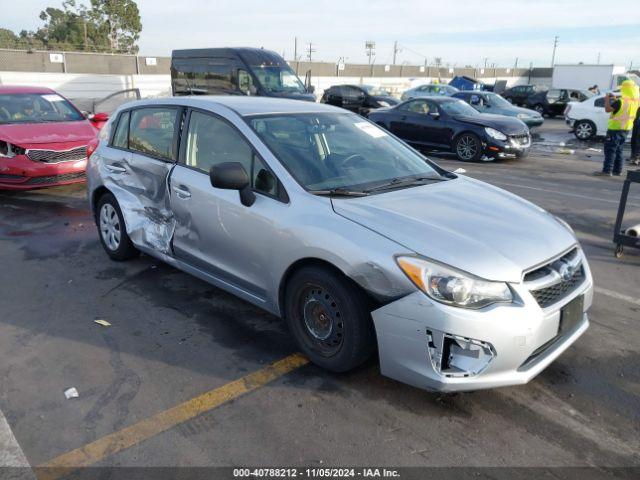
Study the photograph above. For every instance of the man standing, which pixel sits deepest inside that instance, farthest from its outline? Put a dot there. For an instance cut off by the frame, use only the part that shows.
(623, 112)
(635, 141)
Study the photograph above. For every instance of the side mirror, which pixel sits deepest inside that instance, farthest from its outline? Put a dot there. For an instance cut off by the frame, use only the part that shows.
(233, 176)
(252, 90)
(435, 115)
(99, 117)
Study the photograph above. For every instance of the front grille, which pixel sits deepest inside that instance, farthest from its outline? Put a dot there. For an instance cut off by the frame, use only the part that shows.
(554, 281)
(65, 177)
(56, 156)
(523, 139)
(550, 295)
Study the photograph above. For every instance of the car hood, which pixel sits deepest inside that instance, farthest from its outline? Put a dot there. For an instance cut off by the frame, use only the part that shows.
(26, 134)
(507, 125)
(464, 223)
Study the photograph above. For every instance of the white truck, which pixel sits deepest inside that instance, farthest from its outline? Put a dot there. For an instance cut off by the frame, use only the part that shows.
(583, 76)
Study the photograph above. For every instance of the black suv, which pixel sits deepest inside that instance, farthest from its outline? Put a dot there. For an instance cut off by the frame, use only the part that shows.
(518, 94)
(360, 99)
(553, 102)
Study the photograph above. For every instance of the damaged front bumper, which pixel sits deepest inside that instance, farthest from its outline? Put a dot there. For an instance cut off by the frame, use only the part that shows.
(439, 347)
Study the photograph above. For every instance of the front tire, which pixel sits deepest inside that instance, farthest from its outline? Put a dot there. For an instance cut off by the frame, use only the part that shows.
(584, 130)
(111, 229)
(538, 107)
(468, 147)
(330, 318)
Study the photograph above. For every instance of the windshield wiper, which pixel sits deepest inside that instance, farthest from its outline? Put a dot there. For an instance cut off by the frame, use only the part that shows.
(404, 182)
(340, 192)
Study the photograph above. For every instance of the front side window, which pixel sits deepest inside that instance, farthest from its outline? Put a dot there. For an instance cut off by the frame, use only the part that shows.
(212, 141)
(152, 131)
(278, 78)
(37, 108)
(416, 106)
(338, 150)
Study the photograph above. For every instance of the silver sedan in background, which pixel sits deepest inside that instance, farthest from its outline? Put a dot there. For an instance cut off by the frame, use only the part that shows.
(362, 244)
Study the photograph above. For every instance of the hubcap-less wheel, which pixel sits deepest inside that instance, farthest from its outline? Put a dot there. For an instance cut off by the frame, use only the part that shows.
(467, 147)
(110, 227)
(322, 320)
(584, 130)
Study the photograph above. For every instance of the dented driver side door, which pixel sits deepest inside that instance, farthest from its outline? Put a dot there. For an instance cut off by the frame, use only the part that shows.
(143, 153)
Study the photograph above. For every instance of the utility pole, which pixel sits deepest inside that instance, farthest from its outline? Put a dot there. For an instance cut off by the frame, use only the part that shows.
(84, 25)
(598, 58)
(555, 46)
(370, 48)
(395, 51)
(485, 62)
(515, 65)
(310, 51)
(295, 49)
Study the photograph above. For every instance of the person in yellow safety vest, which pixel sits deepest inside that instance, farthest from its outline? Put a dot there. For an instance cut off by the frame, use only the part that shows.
(623, 112)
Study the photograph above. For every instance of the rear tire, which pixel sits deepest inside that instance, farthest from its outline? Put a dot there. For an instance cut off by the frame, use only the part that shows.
(111, 229)
(468, 147)
(584, 129)
(330, 318)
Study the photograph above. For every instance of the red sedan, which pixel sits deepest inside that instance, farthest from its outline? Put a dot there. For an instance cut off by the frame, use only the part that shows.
(43, 139)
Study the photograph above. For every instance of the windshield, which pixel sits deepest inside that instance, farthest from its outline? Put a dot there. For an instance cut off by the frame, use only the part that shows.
(278, 79)
(376, 91)
(338, 151)
(36, 108)
(496, 100)
(458, 107)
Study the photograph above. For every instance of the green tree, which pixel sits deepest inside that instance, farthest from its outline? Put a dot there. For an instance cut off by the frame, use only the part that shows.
(8, 39)
(120, 21)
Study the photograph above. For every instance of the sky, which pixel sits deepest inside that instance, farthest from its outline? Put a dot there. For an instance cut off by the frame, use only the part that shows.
(459, 32)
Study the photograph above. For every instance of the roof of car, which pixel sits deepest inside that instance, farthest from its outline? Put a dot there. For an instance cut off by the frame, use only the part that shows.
(16, 89)
(244, 105)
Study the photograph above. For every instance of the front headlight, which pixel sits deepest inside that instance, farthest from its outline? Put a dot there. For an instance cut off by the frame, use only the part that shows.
(8, 150)
(382, 103)
(453, 287)
(493, 133)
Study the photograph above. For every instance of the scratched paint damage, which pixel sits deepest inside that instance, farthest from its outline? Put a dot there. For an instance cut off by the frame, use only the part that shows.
(376, 280)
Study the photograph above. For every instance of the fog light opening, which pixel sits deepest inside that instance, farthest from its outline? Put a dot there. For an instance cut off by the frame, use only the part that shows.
(456, 356)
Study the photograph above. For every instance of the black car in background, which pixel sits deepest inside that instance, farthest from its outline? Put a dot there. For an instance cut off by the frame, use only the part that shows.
(518, 95)
(360, 99)
(444, 123)
(553, 102)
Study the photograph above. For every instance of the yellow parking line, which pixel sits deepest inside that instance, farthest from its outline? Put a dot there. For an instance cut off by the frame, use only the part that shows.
(163, 421)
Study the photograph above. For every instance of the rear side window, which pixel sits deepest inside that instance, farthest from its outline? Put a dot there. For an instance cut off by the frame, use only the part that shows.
(121, 136)
(152, 131)
(599, 102)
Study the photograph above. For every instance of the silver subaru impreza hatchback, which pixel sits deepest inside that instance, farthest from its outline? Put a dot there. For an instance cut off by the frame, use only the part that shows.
(359, 242)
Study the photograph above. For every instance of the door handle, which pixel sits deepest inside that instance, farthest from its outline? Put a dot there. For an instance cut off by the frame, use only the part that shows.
(115, 169)
(182, 192)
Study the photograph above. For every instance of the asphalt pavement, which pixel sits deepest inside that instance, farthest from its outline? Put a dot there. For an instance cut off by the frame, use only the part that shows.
(188, 375)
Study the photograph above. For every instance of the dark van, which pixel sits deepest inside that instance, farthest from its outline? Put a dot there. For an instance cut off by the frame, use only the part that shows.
(235, 71)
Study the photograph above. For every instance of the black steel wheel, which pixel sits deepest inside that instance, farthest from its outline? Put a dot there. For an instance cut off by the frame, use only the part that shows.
(330, 318)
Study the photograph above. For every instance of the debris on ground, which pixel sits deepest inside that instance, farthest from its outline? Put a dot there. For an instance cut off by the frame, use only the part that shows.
(591, 149)
(566, 151)
(71, 393)
(104, 323)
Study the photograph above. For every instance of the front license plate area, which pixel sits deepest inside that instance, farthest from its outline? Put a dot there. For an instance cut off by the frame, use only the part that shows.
(571, 314)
